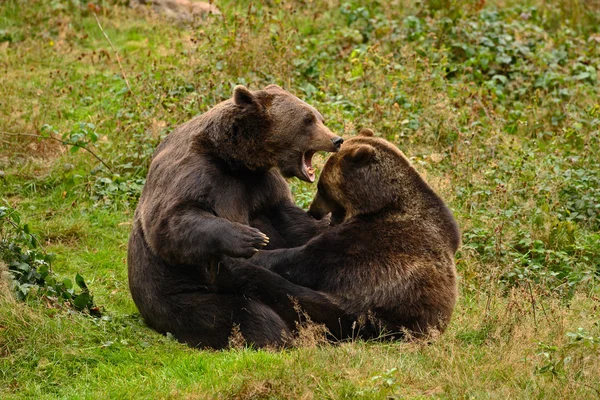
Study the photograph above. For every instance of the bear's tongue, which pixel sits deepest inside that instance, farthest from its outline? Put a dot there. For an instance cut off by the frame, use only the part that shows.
(307, 168)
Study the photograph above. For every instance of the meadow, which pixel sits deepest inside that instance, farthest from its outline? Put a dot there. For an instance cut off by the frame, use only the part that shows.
(496, 103)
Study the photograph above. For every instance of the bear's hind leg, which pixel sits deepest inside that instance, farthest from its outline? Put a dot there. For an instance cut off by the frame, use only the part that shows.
(207, 321)
(260, 326)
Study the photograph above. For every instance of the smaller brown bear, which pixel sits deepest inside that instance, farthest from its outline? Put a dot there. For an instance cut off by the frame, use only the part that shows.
(389, 255)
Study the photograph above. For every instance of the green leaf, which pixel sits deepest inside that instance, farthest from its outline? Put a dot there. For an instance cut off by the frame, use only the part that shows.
(44, 270)
(80, 282)
(47, 130)
(503, 59)
(83, 300)
(500, 78)
(68, 283)
(15, 216)
(581, 76)
(23, 267)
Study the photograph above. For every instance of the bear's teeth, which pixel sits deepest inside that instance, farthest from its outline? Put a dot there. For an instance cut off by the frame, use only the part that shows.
(311, 171)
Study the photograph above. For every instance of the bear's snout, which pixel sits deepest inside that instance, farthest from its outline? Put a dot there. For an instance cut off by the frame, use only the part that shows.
(337, 142)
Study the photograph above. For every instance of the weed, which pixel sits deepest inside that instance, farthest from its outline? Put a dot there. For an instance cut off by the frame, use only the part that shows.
(30, 266)
(496, 103)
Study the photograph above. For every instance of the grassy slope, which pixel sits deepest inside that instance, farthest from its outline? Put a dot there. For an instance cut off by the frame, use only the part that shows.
(513, 160)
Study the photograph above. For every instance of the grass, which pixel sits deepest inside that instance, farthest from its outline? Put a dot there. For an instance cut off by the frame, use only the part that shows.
(496, 103)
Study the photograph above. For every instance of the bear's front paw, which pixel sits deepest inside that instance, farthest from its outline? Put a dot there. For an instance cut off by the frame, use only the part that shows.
(248, 241)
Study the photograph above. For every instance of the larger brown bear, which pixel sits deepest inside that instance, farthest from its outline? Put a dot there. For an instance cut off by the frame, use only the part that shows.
(390, 255)
(209, 181)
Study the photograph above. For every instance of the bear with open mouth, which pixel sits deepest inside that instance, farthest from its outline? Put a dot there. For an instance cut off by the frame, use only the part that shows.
(216, 189)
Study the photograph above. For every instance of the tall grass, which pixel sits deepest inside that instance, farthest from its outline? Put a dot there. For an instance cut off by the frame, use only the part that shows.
(496, 103)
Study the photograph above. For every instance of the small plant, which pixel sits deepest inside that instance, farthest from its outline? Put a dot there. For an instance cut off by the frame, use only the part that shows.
(82, 136)
(553, 362)
(581, 198)
(584, 339)
(30, 266)
(384, 383)
(581, 345)
(107, 191)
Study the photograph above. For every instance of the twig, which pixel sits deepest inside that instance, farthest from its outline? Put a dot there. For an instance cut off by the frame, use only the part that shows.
(63, 143)
(482, 106)
(11, 222)
(118, 60)
(532, 303)
(593, 388)
(18, 227)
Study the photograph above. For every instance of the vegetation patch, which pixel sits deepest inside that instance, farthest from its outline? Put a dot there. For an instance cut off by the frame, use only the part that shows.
(497, 103)
(30, 267)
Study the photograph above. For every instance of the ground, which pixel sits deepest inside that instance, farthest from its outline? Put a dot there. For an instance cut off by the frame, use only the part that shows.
(496, 103)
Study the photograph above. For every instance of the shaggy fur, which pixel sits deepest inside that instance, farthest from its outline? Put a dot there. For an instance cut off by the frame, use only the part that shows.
(211, 184)
(388, 259)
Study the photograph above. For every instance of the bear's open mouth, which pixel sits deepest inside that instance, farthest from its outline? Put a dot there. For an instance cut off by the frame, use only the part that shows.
(307, 169)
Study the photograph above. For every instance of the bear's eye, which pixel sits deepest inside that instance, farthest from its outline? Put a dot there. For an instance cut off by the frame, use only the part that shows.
(309, 120)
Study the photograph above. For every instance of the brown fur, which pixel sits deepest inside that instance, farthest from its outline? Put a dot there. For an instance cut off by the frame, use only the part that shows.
(390, 255)
(211, 184)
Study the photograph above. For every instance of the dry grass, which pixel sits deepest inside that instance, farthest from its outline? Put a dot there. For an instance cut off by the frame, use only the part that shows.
(508, 166)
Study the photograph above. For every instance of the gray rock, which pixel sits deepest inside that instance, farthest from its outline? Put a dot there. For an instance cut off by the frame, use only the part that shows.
(187, 11)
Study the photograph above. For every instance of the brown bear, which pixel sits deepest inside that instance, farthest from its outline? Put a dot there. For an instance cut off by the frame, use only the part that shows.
(212, 182)
(387, 259)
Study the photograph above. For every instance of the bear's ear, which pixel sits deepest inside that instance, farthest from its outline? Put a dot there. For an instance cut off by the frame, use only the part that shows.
(242, 96)
(360, 156)
(366, 132)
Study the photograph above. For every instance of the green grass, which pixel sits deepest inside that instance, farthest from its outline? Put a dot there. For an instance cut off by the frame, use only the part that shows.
(496, 104)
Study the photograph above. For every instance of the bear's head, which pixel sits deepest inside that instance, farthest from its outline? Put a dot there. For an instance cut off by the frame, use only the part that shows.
(367, 175)
(286, 131)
